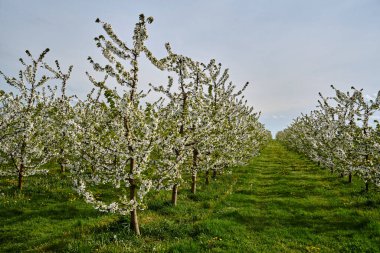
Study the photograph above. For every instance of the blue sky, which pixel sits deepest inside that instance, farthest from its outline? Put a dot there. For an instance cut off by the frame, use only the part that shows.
(289, 50)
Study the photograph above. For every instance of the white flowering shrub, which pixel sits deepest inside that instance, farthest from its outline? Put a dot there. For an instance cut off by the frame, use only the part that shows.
(176, 124)
(116, 134)
(235, 130)
(204, 108)
(61, 115)
(25, 119)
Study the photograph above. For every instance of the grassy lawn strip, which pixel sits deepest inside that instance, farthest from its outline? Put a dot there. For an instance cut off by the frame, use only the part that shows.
(280, 202)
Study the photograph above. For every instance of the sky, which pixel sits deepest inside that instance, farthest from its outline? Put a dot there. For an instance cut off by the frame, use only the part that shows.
(288, 50)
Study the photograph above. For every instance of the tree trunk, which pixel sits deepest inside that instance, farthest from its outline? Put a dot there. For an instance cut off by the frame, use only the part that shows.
(92, 165)
(341, 174)
(350, 177)
(62, 159)
(194, 183)
(366, 183)
(194, 171)
(207, 177)
(319, 163)
(62, 167)
(214, 173)
(174, 194)
(134, 222)
(20, 176)
(132, 196)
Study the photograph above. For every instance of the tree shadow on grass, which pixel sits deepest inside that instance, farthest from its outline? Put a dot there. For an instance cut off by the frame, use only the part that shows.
(57, 212)
(315, 223)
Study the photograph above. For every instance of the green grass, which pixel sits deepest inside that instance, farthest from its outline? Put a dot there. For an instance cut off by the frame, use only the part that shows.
(280, 202)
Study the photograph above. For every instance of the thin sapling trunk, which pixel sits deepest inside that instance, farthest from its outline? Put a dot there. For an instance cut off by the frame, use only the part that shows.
(132, 196)
(174, 194)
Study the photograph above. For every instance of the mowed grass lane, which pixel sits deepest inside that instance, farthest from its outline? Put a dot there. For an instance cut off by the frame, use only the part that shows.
(283, 202)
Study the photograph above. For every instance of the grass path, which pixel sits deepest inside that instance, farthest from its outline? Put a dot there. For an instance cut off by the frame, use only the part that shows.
(280, 202)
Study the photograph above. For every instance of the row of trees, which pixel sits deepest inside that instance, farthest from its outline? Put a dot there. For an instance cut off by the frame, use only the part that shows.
(117, 139)
(342, 135)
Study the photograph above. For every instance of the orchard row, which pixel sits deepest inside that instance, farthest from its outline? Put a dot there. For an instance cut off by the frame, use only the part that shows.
(114, 139)
(342, 135)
